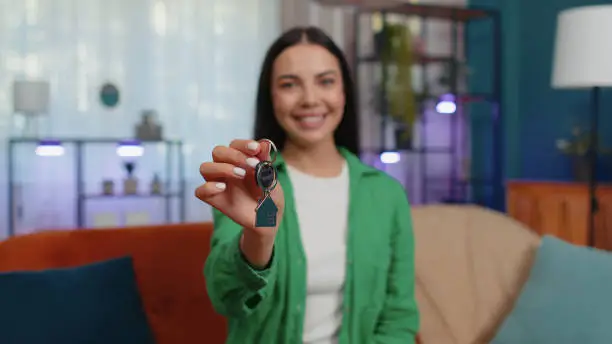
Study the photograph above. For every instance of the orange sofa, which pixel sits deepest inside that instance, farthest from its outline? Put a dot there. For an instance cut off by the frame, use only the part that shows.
(168, 261)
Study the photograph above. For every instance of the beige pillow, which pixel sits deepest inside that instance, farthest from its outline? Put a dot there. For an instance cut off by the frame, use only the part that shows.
(470, 266)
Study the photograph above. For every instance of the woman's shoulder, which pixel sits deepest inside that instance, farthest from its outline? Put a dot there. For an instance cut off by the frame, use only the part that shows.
(392, 192)
(385, 183)
(369, 176)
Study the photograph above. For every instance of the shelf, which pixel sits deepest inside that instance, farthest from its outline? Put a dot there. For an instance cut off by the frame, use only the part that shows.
(88, 141)
(422, 59)
(364, 4)
(361, 3)
(428, 150)
(461, 98)
(476, 182)
(459, 182)
(119, 196)
(436, 150)
(172, 157)
(377, 90)
(432, 150)
(400, 7)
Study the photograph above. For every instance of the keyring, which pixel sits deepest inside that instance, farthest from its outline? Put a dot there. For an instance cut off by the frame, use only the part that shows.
(272, 148)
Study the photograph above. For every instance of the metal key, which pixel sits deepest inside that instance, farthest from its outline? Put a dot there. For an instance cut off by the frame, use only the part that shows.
(265, 177)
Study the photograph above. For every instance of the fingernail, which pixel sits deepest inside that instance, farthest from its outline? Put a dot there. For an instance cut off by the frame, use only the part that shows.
(252, 162)
(239, 171)
(253, 146)
(220, 186)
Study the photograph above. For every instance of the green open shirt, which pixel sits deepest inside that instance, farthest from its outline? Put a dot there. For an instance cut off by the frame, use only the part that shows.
(379, 304)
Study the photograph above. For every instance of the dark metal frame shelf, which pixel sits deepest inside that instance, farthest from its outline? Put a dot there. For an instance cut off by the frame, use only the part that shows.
(457, 16)
(82, 197)
(399, 7)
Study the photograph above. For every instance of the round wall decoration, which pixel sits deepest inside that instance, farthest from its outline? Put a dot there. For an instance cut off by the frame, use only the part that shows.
(109, 95)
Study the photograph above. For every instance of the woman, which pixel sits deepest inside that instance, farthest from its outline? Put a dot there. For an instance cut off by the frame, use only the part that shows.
(339, 266)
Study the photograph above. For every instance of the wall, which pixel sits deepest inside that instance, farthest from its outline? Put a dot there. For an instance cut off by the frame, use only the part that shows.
(336, 21)
(185, 59)
(547, 114)
(535, 115)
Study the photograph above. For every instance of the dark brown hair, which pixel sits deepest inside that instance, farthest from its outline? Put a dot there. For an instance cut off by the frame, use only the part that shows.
(266, 125)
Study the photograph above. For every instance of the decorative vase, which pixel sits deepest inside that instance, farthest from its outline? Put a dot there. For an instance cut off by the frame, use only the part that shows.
(130, 184)
(108, 187)
(148, 129)
(156, 187)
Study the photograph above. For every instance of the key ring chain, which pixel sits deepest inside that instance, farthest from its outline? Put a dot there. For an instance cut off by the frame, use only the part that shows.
(272, 148)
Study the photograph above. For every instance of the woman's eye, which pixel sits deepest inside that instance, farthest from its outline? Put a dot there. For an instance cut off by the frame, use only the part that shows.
(287, 85)
(328, 81)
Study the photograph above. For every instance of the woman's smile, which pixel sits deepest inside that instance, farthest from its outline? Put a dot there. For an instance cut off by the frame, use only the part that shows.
(311, 121)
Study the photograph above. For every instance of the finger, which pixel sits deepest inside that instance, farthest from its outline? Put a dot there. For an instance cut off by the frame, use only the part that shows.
(219, 171)
(207, 190)
(234, 157)
(265, 151)
(248, 147)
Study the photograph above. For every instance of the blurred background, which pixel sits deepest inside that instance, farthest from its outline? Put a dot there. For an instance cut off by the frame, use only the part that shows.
(107, 108)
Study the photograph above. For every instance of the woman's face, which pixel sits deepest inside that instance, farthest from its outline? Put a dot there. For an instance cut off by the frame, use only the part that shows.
(308, 94)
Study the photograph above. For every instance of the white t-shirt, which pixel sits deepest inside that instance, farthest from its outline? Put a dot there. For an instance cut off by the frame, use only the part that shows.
(322, 209)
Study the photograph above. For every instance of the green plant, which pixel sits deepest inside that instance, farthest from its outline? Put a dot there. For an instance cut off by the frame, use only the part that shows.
(398, 55)
(579, 144)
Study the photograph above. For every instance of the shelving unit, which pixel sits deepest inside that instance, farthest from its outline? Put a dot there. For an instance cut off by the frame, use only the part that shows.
(461, 189)
(173, 187)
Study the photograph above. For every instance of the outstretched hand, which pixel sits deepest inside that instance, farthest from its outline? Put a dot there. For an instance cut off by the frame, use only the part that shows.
(230, 185)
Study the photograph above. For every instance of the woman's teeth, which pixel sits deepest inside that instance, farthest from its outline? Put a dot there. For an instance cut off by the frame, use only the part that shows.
(311, 122)
(311, 119)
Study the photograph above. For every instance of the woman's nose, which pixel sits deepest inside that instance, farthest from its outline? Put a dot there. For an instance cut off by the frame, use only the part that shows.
(309, 97)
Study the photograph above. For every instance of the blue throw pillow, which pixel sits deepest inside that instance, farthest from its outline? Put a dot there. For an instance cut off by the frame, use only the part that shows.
(567, 298)
(92, 304)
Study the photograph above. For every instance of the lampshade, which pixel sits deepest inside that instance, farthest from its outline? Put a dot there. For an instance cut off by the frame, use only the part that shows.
(583, 48)
(31, 97)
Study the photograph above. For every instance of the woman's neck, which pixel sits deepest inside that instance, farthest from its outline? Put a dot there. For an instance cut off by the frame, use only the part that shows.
(322, 160)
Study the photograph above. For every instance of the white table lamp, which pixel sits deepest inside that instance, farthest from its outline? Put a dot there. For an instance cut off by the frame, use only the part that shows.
(31, 97)
(31, 100)
(583, 60)
(583, 48)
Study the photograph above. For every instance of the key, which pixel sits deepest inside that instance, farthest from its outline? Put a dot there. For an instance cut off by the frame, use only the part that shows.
(265, 178)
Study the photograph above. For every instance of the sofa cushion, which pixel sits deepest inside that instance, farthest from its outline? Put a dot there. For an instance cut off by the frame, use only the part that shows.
(96, 304)
(471, 263)
(565, 300)
(168, 260)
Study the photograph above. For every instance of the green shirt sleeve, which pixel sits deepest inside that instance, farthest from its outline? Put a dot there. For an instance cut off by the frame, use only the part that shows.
(234, 287)
(399, 319)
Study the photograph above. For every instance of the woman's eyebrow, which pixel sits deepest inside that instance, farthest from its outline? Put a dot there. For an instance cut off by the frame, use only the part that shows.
(327, 72)
(319, 75)
(288, 76)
